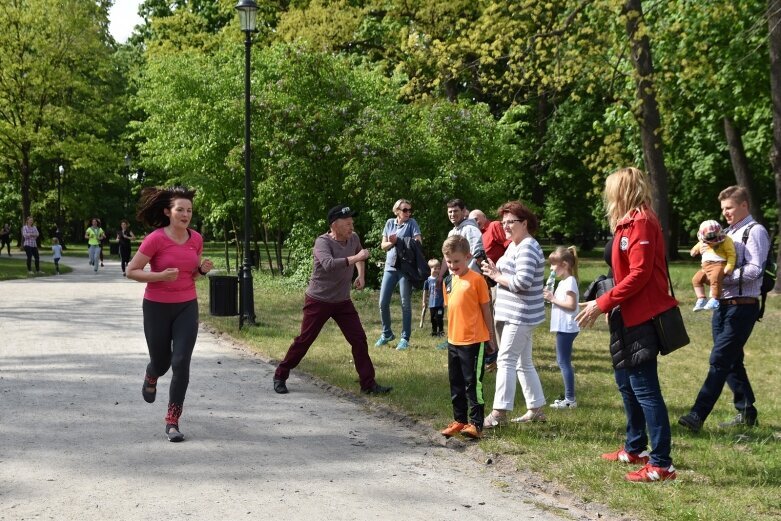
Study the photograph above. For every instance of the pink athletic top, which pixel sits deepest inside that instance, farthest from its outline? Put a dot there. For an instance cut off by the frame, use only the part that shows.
(164, 253)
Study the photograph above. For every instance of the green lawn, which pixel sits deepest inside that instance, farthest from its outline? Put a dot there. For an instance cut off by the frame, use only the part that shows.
(722, 475)
(15, 267)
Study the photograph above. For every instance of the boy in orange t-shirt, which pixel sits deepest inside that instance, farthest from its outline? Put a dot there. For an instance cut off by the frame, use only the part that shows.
(469, 324)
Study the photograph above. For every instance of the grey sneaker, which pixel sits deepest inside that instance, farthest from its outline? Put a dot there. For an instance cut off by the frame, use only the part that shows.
(740, 419)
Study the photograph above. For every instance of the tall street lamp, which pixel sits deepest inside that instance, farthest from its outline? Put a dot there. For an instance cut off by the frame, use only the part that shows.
(60, 173)
(248, 11)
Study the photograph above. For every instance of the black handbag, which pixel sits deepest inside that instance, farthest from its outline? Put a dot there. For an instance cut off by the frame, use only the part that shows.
(598, 287)
(669, 325)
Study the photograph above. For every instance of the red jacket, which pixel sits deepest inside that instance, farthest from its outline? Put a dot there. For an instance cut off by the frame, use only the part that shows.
(495, 241)
(639, 270)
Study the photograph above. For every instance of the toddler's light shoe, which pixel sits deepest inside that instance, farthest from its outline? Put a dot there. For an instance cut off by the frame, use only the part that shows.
(699, 305)
(712, 304)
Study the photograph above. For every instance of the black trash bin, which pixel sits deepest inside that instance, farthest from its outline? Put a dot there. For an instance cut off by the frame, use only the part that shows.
(223, 295)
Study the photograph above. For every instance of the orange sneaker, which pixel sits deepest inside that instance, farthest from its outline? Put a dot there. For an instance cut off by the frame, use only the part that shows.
(626, 457)
(650, 473)
(470, 431)
(452, 429)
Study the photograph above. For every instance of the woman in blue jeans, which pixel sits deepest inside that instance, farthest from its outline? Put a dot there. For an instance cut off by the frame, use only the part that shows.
(396, 229)
(640, 293)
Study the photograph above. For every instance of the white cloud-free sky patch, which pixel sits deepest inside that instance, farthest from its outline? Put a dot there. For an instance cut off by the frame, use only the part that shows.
(123, 16)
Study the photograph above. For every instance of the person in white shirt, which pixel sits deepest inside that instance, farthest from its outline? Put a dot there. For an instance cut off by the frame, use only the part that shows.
(564, 308)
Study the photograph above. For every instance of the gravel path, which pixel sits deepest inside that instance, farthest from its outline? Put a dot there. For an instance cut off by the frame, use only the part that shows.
(77, 442)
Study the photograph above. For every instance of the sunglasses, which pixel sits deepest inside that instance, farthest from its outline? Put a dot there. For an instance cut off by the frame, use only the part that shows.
(405, 210)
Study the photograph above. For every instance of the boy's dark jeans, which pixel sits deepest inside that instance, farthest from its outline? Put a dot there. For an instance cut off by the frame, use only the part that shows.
(465, 369)
(437, 319)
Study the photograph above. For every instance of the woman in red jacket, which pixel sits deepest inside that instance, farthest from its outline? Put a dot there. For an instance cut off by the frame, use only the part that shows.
(640, 293)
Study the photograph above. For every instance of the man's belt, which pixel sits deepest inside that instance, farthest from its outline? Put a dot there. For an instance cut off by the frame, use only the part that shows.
(738, 301)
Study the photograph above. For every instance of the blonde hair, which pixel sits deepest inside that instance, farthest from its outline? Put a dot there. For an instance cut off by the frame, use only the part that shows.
(568, 255)
(399, 203)
(434, 263)
(626, 189)
(455, 244)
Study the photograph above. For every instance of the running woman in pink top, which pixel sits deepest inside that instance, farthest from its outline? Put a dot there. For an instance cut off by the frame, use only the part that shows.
(173, 253)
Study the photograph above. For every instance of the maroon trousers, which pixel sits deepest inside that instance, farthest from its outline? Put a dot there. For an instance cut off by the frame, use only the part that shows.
(316, 314)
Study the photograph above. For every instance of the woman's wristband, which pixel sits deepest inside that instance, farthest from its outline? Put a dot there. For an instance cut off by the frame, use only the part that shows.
(201, 271)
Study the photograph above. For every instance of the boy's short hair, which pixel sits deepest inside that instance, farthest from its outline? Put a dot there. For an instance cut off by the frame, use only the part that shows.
(434, 263)
(455, 244)
(55, 240)
(739, 194)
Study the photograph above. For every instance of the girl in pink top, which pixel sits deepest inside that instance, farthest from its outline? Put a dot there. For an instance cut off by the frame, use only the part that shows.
(170, 306)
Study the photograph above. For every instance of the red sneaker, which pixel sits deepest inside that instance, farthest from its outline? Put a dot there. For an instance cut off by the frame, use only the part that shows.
(649, 473)
(626, 457)
(452, 429)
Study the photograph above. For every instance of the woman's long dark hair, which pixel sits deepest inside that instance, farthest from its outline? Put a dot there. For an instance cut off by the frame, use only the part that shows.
(154, 200)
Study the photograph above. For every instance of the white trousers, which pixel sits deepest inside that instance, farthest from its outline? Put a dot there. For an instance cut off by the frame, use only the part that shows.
(515, 358)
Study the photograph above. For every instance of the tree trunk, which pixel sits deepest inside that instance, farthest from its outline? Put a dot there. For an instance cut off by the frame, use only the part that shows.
(774, 39)
(648, 114)
(737, 155)
(544, 113)
(24, 168)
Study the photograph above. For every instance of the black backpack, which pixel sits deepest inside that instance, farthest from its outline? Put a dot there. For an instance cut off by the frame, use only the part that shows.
(769, 275)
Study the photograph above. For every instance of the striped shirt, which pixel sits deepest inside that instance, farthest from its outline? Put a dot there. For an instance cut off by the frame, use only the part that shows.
(521, 302)
(751, 259)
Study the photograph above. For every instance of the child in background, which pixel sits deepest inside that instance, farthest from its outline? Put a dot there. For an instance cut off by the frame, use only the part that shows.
(469, 324)
(432, 297)
(718, 260)
(564, 307)
(56, 254)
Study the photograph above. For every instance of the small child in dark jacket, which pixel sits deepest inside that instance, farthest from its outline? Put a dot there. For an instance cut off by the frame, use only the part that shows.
(432, 297)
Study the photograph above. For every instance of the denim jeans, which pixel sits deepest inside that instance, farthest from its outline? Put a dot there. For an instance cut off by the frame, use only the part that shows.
(94, 256)
(564, 359)
(389, 281)
(644, 405)
(731, 326)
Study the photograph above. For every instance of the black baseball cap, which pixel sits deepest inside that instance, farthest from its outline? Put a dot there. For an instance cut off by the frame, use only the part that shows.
(340, 212)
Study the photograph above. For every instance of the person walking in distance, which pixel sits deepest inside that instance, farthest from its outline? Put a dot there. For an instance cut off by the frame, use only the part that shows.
(94, 236)
(734, 317)
(336, 256)
(124, 236)
(170, 306)
(56, 254)
(5, 238)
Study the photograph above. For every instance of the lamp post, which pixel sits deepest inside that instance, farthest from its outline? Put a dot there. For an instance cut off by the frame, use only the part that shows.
(248, 10)
(128, 162)
(60, 173)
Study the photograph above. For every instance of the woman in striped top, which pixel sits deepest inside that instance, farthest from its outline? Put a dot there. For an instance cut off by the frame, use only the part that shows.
(519, 308)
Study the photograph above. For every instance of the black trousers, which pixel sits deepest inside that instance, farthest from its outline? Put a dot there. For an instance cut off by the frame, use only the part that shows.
(437, 319)
(31, 252)
(465, 369)
(171, 331)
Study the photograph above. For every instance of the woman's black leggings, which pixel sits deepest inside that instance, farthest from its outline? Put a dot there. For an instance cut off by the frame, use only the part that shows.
(31, 252)
(171, 330)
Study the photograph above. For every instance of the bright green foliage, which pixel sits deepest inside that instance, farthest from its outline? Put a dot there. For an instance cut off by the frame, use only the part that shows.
(56, 104)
